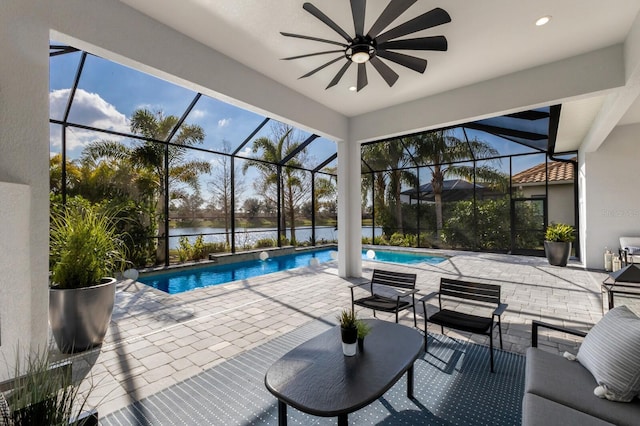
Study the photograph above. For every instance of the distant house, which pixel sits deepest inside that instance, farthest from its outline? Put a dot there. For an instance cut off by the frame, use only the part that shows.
(452, 190)
(560, 198)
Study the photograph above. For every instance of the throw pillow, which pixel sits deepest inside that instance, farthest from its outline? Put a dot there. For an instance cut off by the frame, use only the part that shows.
(611, 353)
(5, 412)
(632, 250)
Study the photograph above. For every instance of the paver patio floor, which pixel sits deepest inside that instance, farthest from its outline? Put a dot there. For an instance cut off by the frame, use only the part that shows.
(156, 340)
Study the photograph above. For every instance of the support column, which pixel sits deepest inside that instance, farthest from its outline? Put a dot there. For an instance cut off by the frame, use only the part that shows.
(349, 210)
(24, 178)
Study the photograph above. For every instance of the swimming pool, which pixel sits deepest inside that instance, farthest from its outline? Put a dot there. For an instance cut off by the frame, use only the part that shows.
(403, 257)
(186, 279)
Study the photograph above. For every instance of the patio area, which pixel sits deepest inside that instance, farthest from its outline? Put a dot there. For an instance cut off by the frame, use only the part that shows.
(157, 340)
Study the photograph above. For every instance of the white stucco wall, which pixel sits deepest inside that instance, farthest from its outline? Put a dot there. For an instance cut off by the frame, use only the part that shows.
(560, 201)
(610, 199)
(24, 160)
(15, 298)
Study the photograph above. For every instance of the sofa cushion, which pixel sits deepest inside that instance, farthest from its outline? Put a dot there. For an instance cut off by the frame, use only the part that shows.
(539, 411)
(611, 352)
(568, 383)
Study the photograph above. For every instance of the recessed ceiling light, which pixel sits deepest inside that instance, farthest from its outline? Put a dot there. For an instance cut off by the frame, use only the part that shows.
(544, 20)
(352, 88)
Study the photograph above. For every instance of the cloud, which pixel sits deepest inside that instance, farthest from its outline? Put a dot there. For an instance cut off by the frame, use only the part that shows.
(88, 109)
(224, 122)
(198, 113)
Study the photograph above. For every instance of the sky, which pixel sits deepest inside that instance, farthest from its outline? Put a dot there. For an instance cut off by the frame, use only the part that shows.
(108, 93)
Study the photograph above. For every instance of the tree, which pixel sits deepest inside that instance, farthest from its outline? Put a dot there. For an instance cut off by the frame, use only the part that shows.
(440, 151)
(147, 158)
(221, 185)
(389, 161)
(273, 173)
(252, 206)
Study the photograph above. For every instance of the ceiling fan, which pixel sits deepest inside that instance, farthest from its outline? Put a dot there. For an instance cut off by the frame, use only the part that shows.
(373, 45)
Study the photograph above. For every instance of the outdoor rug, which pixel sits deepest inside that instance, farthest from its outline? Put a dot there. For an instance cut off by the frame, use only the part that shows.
(453, 386)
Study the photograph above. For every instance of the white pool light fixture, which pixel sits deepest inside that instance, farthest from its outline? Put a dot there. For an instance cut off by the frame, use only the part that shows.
(264, 255)
(131, 274)
(314, 262)
(371, 254)
(333, 254)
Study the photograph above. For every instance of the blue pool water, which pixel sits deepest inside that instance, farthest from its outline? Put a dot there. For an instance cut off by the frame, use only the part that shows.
(181, 280)
(404, 257)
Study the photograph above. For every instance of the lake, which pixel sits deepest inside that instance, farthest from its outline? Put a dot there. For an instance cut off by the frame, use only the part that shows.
(249, 236)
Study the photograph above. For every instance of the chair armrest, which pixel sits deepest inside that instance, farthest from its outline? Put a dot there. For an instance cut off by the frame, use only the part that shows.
(535, 325)
(359, 285)
(500, 309)
(428, 296)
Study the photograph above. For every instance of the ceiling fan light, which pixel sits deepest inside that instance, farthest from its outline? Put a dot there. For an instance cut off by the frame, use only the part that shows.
(543, 21)
(360, 57)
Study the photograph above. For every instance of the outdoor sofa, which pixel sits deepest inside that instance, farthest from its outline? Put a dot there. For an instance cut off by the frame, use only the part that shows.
(562, 391)
(629, 250)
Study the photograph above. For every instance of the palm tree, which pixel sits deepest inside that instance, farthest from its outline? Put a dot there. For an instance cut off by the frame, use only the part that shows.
(389, 160)
(291, 182)
(148, 160)
(440, 150)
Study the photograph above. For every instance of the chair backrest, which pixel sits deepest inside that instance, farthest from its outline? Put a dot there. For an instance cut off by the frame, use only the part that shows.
(393, 279)
(489, 293)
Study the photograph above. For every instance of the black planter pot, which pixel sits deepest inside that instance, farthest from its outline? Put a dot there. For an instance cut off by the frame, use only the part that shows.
(349, 335)
(557, 252)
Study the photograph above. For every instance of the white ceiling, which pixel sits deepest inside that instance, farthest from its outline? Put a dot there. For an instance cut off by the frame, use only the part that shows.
(486, 39)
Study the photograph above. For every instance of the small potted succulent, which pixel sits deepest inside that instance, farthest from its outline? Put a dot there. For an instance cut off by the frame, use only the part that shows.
(557, 245)
(363, 330)
(349, 331)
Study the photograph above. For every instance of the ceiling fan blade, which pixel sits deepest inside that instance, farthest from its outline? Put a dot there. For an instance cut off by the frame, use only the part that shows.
(423, 43)
(310, 73)
(311, 54)
(357, 10)
(324, 18)
(387, 73)
(430, 19)
(394, 9)
(339, 75)
(362, 76)
(416, 64)
(322, 40)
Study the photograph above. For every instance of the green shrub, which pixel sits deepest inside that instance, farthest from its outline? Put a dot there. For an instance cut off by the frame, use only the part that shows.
(198, 251)
(84, 245)
(265, 243)
(560, 232)
(215, 247)
(184, 249)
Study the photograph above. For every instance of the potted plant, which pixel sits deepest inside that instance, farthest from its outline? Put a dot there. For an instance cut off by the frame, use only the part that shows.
(45, 393)
(85, 251)
(557, 244)
(349, 331)
(363, 330)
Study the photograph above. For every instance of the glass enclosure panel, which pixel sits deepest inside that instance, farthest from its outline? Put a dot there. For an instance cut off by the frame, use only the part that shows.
(319, 151)
(326, 208)
(256, 217)
(225, 126)
(63, 69)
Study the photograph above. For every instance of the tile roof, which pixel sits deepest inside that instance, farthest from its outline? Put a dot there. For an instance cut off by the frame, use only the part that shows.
(558, 172)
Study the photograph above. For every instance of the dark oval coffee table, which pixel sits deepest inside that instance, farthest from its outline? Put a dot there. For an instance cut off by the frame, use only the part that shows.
(318, 379)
